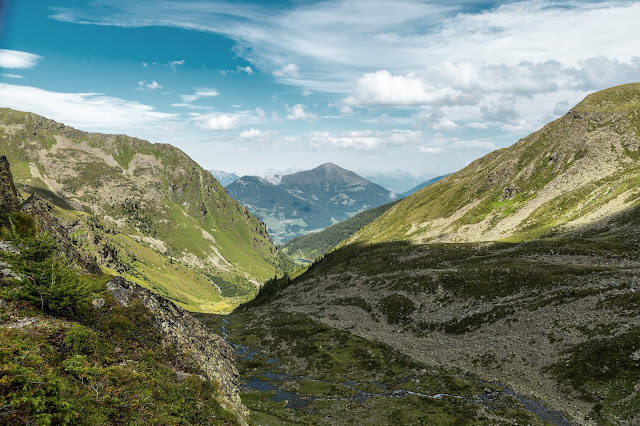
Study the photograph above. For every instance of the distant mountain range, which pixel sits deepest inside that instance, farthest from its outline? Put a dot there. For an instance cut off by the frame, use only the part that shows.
(225, 178)
(308, 201)
(398, 181)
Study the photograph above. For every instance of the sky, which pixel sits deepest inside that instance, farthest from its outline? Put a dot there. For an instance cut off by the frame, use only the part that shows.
(256, 87)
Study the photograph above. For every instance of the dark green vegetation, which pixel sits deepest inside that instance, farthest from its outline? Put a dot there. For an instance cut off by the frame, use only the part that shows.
(63, 361)
(142, 210)
(331, 371)
(562, 312)
(308, 201)
(314, 245)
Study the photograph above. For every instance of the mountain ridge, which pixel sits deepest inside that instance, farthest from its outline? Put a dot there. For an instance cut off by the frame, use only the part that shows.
(146, 210)
(306, 201)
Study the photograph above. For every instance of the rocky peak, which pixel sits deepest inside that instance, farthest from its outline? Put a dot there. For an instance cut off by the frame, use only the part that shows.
(8, 193)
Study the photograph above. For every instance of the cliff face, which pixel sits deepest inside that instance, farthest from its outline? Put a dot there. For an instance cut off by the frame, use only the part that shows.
(8, 193)
(214, 356)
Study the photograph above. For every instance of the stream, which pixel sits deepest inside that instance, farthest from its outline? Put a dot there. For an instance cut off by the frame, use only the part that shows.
(268, 381)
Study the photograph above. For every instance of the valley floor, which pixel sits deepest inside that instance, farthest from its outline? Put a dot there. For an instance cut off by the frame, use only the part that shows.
(556, 320)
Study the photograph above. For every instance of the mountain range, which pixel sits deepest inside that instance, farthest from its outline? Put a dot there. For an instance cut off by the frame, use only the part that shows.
(519, 272)
(307, 201)
(145, 211)
(225, 178)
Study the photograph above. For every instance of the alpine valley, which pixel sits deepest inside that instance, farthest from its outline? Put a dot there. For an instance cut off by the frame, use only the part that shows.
(506, 293)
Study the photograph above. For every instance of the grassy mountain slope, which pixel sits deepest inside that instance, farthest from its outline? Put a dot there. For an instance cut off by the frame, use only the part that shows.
(576, 169)
(551, 311)
(313, 245)
(422, 185)
(75, 351)
(307, 201)
(146, 210)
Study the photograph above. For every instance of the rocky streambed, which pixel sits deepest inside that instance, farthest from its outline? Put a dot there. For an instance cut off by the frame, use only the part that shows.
(280, 387)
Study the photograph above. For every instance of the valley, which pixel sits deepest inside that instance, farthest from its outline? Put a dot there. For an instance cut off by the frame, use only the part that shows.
(505, 293)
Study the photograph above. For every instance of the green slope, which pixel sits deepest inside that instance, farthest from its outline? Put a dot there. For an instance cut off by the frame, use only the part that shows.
(311, 246)
(520, 269)
(575, 170)
(157, 209)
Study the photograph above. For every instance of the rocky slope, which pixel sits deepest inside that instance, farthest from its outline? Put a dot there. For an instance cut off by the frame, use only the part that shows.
(308, 201)
(225, 178)
(555, 316)
(76, 349)
(576, 170)
(143, 210)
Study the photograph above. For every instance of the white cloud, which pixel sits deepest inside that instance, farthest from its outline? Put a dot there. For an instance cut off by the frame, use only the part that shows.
(383, 89)
(16, 76)
(16, 59)
(417, 53)
(174, 65)
(298, 112)
(144, 64)
(251, 133)
(246, 69)
(431, 149)
(86, 111)
(218, 121)
(291, 70)
(143, 85)
(227, 120)
(200, 92)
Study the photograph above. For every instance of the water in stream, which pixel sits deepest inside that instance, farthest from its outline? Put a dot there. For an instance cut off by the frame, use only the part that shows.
(269, 381)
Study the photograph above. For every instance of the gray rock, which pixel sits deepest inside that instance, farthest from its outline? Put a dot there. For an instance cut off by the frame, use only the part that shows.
(214, 356)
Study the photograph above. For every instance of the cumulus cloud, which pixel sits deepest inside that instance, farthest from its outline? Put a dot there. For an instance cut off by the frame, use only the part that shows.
(383, 89)
(416, 53)
(16, 59)
(87, 111)
(219, 121)
(503, 112)
(15, 76)
(143, 85)
(290, 70)
(246, 69)
(251, 133)
(299, 112)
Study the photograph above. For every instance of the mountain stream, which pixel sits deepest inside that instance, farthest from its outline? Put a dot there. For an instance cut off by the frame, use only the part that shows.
(269, 381)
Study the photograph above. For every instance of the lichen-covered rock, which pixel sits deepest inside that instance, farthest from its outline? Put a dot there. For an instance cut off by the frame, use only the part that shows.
(48, 223)
(8, 193)
(210, 352)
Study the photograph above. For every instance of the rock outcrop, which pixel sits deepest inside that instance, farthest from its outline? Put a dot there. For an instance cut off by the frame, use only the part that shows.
(212, 354)
(8, 194)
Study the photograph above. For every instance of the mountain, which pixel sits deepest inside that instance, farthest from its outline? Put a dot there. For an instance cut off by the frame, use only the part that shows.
(310, 246)
(88, 348)
(398, 180)
(145, 211)
(518, 272)
(307, 201)
(576, 170)
(223, 177)
(422, 185)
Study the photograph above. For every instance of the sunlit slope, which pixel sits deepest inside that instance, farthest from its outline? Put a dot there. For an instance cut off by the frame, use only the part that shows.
(151, 194)
(576, 170)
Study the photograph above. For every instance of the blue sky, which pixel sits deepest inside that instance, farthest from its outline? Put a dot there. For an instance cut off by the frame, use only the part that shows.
(249, 87)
